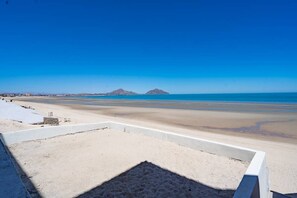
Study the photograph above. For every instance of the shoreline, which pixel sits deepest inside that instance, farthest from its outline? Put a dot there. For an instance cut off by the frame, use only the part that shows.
(254, 107)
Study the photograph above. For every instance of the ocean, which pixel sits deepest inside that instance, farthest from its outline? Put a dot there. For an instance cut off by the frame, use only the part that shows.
(238, 97)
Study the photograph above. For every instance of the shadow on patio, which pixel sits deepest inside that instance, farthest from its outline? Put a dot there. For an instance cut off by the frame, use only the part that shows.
(149, 180)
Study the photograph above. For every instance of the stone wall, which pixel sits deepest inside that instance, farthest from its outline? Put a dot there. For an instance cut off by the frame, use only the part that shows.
(50, 121)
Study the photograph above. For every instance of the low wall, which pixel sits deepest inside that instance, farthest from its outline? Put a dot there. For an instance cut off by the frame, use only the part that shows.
(256, 187)
(217, 148)
(254, 183)
(48, 132)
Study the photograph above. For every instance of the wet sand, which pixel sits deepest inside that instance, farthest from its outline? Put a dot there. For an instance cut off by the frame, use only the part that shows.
(186, 105)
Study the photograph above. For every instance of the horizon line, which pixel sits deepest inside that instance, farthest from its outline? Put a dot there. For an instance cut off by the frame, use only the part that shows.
(136, 93)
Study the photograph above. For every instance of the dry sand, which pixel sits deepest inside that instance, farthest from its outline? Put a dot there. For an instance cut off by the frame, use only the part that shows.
(281, 155)
(71, 165)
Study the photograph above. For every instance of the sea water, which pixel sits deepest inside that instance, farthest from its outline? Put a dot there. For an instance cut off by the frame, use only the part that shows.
(226, 97)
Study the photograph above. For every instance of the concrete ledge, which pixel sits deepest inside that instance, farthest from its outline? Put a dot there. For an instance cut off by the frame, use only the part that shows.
(258, 168)
(217, 148)
(248, 187)
(254, 183)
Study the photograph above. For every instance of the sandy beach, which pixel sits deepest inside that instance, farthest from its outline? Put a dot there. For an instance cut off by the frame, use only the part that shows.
(275, 122)
(272, 130)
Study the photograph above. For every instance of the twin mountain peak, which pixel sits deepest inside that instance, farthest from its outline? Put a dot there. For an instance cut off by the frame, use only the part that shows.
(125, 92)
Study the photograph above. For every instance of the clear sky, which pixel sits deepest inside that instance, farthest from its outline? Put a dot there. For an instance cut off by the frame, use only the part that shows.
(59, 46)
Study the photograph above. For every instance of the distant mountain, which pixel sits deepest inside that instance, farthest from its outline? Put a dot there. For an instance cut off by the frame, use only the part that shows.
(120, 92)
(156, 92)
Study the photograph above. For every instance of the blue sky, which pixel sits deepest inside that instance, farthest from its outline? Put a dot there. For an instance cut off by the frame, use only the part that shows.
(181, 46)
